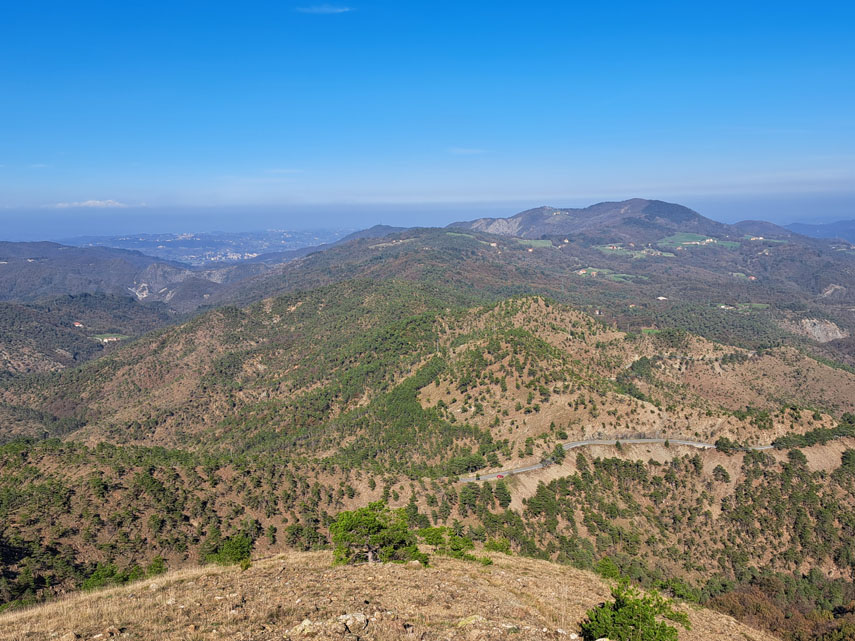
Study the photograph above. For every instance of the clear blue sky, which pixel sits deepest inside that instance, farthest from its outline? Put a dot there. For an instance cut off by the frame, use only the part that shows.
(310, 113)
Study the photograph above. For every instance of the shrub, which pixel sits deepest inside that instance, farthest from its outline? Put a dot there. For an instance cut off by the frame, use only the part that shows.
(632, 616)
(720, 474)
(107, 574)
(232, 550)
(498, 545)
(725, 445)
(157, 566)
(607, 568)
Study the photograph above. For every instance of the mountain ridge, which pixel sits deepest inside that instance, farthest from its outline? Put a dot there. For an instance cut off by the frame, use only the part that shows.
(639, 214)
(843, 229)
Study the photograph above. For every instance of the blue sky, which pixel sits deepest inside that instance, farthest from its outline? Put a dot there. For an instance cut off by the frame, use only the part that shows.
(321, 114)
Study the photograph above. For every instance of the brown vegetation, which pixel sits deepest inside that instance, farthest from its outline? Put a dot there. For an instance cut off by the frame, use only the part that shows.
(299, 595)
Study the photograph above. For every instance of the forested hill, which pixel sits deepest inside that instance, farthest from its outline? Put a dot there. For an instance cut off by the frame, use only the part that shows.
(35, 271)
(61, 332)
(389, 368)
(266, 421)
(754, 291)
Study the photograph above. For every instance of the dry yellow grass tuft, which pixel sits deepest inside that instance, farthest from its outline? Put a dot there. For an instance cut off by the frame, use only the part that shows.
(300, 595)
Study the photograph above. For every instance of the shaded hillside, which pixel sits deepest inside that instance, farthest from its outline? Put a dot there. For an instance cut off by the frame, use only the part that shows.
(106, 314)
(34, 271)
(31, 341)
(66, 331)
(844, 229)
(30, 271)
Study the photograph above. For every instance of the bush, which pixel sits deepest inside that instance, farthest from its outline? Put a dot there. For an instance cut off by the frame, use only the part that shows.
(607, 568)
(725, 445)
(498, 545)
(632, 616)
(232, 550)
(106, 574)
(157, 566)
(720, 474)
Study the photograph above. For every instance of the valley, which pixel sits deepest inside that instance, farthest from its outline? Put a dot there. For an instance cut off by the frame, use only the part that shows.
(675, 425)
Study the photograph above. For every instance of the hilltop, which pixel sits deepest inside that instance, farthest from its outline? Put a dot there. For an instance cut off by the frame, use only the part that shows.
(644, 220)
(637, 220)
(299, 595)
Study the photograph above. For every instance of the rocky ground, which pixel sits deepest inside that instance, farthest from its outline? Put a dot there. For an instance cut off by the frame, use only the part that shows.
(301, 596)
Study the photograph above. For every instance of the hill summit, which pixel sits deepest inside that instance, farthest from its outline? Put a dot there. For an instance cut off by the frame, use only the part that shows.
(637, 213)
(301, 596)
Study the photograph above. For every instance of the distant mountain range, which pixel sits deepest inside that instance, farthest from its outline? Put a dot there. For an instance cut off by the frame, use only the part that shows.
(844, 229)
(612, 255)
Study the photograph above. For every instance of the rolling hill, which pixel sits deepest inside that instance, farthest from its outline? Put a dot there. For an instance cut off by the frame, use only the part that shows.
(62, 332)
(844, 229)
(282, 413)
(35, 271)
(410, 365)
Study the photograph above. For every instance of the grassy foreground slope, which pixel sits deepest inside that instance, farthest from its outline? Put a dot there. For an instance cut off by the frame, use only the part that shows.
(299, 595)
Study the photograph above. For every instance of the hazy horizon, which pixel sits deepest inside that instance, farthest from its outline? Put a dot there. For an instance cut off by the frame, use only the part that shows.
(68, 223)
(134, 118)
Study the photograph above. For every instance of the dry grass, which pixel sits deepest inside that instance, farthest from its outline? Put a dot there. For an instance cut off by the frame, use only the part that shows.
(513, 599)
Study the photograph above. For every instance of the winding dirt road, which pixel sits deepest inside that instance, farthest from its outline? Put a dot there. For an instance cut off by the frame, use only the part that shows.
(572, 445)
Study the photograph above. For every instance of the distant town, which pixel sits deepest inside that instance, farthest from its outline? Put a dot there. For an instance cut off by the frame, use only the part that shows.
(213, 247)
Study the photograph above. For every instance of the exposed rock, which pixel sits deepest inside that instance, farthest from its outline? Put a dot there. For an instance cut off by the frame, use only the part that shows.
(832, 290)
(354, 621)
(820, 330)
(341, 628)
(305, 629)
